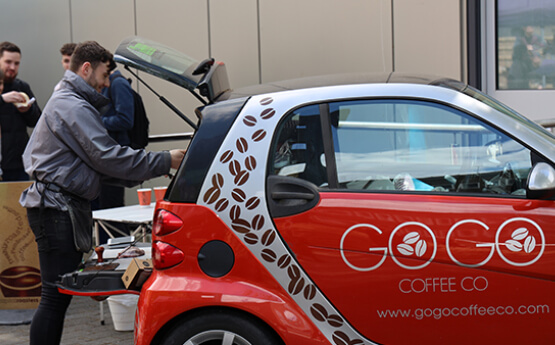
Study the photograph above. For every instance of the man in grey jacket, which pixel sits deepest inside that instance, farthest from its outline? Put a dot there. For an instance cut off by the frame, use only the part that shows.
(69, 154)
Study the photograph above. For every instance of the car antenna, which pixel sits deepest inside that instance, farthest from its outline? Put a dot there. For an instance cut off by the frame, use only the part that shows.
(166, 102)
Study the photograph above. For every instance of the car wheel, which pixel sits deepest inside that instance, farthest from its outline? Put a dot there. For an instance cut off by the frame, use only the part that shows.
(221, 328)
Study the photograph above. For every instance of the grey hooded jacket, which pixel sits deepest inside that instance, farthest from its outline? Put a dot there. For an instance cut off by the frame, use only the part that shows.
(71, 148)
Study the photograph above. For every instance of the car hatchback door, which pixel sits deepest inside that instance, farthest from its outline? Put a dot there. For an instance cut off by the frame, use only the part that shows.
(411, 218)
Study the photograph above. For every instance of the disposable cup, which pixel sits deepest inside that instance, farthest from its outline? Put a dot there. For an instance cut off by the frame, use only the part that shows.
(159, 192)
(145, 195)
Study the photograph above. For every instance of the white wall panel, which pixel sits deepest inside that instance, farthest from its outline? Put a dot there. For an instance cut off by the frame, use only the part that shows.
(104, 21)
(39, 28)
(311, 37)
(234, 39)
(428, 37)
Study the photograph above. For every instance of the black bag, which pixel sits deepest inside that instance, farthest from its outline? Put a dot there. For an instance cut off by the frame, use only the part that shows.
(80, 214)
(138, 135)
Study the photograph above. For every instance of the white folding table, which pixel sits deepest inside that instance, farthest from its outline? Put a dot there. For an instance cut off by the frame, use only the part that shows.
(136, 215)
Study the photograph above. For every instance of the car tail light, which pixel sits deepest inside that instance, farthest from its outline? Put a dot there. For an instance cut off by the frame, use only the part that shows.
(165, 222)
(165, 255)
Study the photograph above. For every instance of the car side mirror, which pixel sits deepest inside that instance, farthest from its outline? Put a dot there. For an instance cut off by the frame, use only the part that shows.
(541, 182)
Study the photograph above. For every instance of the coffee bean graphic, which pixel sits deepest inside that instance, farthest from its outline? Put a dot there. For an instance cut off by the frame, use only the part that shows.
(293, 272)
(250, 163)
(284, 261)
(309, 292)
(258, 222)
(218, 180)
(221, 205)
(319, 312)
(297, 282)
(267, 113)
(411, 237)
(251, 238)
(252, 203)
(529, 244)
(211, 195)
(235, 212)
(240, 225)
(234, 167)
(340, 338)
(249, 120)
(335, 320)
(266, 100)
(268, 237)
(513, 245)
(241, 178)
(238, 195)
(420, 248)
(258, 135)
(296, 286)
(20, 281)
(405, 249)
(226, 156)
(268, 255)
(242, 145)
(519, 234)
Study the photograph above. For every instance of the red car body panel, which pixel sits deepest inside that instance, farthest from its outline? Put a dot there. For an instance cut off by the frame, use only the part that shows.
(249, 287)
(350, 246)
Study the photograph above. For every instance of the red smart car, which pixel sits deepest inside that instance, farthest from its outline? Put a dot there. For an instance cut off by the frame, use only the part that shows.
(355, 209)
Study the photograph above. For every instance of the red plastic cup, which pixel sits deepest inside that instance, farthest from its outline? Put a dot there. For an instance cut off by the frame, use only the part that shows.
(145, 196)
(159, 193)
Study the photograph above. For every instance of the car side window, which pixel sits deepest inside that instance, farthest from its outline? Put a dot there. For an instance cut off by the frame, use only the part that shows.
(298, 149)
(422, 146)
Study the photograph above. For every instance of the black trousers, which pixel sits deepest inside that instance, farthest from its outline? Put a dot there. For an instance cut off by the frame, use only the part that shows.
(57, 256)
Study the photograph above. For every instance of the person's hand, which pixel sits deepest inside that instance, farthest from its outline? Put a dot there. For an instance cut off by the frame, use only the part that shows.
(23, 109)
(13, 97)
(177, 156)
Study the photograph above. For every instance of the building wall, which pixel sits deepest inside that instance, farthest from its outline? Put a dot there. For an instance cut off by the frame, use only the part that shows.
(259, 40)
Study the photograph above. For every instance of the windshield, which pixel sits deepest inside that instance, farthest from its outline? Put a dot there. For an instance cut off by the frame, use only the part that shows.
(493, 103)
(470, 91)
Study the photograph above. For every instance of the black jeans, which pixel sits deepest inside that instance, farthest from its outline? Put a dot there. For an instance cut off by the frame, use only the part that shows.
(57, 255)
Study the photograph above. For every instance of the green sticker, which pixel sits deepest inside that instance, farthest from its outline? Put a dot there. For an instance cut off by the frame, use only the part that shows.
(143, 48)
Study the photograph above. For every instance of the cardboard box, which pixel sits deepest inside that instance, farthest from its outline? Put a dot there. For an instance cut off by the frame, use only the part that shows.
(137, 273)
(20, 283)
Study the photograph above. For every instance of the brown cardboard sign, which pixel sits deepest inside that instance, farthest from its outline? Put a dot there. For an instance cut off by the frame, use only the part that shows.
(20, 283)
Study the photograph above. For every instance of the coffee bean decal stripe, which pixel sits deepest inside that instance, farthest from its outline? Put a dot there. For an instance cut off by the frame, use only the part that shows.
(234, 189)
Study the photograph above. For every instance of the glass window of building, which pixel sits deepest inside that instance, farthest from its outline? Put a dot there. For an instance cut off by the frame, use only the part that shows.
(525, 45)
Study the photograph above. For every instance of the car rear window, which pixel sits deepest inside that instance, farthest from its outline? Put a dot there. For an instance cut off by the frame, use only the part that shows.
(215, 123)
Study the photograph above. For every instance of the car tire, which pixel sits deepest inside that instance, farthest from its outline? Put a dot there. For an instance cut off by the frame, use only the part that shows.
(212, 327)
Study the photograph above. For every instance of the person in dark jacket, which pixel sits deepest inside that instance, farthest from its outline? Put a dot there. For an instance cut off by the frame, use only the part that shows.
(16, 115)
(70, 154)
(118, 119)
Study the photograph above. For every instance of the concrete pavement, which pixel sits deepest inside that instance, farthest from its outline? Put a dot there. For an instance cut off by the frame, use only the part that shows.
(82, 327)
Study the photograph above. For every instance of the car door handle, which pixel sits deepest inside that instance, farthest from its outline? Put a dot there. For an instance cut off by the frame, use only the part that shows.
(292, 195)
